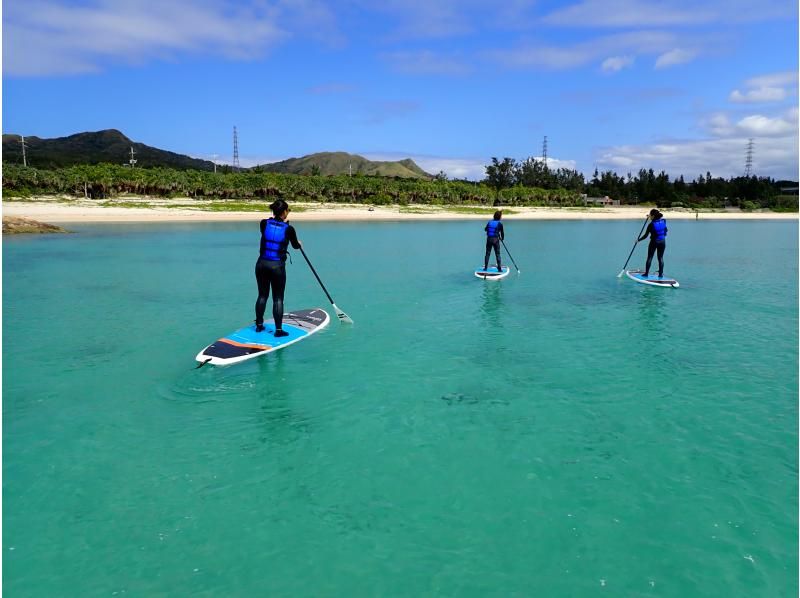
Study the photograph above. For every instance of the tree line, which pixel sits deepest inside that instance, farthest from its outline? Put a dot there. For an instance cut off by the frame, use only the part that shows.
(507, 183)
(648, 187)
(103, 181)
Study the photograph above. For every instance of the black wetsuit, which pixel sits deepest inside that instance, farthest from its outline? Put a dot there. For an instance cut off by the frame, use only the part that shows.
(272, 273)
(655, 247)
(493, 243)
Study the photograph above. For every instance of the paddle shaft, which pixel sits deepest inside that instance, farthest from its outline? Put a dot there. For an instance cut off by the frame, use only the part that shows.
(319, 280)
(509, 254)
(634, 245)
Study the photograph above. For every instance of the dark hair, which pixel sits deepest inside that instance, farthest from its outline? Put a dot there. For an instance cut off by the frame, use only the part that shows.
(498, 214)
(278, 207)
(655, 214)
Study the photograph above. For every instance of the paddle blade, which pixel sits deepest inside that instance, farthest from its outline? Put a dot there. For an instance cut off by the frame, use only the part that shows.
(343, 317)
(621, 272)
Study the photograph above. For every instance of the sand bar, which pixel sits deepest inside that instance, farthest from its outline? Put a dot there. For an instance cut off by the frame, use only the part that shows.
(153, 210)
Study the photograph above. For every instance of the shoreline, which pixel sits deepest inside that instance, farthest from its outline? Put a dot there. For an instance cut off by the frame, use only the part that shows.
(85, 211)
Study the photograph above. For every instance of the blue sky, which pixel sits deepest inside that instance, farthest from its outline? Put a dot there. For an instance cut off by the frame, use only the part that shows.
(615, 84)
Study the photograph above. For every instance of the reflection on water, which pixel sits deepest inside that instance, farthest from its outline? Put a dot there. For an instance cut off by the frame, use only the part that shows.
(652, 309)
(492, 302)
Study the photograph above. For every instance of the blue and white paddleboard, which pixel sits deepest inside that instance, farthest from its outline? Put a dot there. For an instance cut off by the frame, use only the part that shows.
(492, 273)
(652, 279)
(246, 343)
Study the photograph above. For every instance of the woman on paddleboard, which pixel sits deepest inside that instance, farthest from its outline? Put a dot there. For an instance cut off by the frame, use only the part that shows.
(494, 234)
(276, 234)
(657, 229)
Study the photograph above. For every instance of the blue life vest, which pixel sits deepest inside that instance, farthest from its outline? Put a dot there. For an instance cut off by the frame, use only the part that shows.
(274, 240)
(660, 230)
(491, 228)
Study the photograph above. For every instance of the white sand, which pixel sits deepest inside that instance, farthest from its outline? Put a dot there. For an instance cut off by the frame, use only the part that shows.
(53, 211)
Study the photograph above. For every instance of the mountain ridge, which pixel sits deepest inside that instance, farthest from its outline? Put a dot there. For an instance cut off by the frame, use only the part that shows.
(113, 146)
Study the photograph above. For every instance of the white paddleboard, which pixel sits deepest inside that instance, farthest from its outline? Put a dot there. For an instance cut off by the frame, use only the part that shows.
(652, 279)
(492, 273)
(246, 343)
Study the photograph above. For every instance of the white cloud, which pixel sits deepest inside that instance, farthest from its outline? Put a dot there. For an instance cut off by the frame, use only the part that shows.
(758, 125)
(776, 157)
(675, 56)
(773, 80)
(616, 63)
(621, 47)
(426, 18)
(630, 13)
(774, 87)
(723, 153)
(752, 125)
(666, 13)
(719, 125)
(756, 96)
(50, 37)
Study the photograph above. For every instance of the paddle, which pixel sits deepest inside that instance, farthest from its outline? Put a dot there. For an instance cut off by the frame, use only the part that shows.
(509, 255)
(343, 317)
(635, 243)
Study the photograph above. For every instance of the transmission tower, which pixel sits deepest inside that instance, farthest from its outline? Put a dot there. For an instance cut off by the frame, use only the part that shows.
(235, 150)
(24, 155)
(748, 162)
(132, 161)
(544, 152)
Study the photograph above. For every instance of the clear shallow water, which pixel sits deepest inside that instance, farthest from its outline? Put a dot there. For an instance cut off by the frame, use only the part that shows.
(561, 432)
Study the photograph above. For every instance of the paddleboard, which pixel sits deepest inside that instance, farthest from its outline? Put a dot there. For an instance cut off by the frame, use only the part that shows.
(246, 343)
(652, 279)
(492, 273)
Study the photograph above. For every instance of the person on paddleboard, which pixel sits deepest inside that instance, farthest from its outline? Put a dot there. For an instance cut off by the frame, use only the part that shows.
(276, 234)
(494, 234)
(657, 229)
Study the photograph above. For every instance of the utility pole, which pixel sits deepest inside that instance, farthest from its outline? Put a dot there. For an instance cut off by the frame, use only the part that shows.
(748, 162)
(214, 160)
(132, 160)
(351, 170)
(235, 150)
(24, 155)
(544, 152)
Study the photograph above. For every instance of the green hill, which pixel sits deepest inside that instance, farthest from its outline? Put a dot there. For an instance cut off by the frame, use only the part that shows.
(94, 148)
(332, 163)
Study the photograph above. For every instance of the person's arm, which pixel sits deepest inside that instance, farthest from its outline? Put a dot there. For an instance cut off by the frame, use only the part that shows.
(263, 225)
(292, 235)
(501, 232)
(646, 232)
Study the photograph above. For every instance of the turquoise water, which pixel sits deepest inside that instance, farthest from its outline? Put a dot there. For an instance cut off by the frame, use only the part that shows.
(561, 432)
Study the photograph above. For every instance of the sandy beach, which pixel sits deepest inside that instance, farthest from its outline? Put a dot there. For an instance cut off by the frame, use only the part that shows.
(54, 210)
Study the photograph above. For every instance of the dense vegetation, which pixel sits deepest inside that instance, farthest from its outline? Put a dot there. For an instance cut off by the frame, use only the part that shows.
(507, 184)
(108, 180)
(707, 191)
(109, 146)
